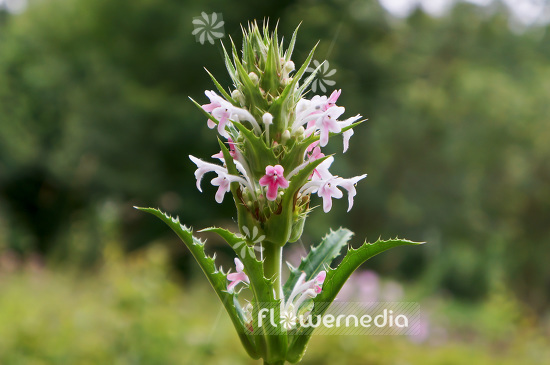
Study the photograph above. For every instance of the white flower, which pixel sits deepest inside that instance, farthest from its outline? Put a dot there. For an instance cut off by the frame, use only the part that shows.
(326, 185)
(223, 180)
(302, 291)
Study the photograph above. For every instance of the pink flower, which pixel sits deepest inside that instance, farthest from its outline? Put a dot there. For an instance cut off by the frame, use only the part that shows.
(327, 191)
(326, 185)
(319, 279)
(219, 108)
(224, 178)
(224, 185)
(204, 167)
(216, 101)
(273, 179)
(224, 111)
(322, 172)
(222, 114)
(238, 277)
(304, 290)
(349, 185)
(314, 154)
(328, 122)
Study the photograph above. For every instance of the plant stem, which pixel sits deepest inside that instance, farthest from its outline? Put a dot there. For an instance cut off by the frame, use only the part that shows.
(277, 338)
(273, 256)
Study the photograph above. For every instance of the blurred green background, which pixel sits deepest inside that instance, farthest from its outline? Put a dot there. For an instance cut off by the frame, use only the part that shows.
(95, 118)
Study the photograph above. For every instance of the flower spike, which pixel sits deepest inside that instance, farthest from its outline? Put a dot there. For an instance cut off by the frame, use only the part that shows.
(272, 162)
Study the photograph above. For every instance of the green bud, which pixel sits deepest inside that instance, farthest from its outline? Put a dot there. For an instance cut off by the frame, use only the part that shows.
(238, 96)
(299, 134)
(285, 136)
(254, 78)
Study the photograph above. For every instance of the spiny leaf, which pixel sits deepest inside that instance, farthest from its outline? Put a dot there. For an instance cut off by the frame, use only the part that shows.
(251, 91)
(298, 75)
(230, 68)
(270, 78)
(263, 154)
(290, 49)
(334, 281)
(318, 258)
(217, 279)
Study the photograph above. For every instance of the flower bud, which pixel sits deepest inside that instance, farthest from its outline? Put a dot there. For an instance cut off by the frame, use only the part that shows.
(299, 132)
(285, 137)
(238, 96)
(288, 68)
(254, 78)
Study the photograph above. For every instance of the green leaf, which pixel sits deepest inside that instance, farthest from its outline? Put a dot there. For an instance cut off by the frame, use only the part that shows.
(280, 106)
(229, 162)
(230, 68)
(250, 91)
(258, 154)
(270, 79)
(290, 49)
(319, 258)
(333, 283)
(298, 75)
(216, 277)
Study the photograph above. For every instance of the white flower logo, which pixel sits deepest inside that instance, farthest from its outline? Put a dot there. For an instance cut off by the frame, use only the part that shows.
(288, 318)
(322, 76)
(208, 27)
(254, 238)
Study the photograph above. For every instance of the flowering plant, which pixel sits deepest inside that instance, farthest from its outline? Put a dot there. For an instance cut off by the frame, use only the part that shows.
(271, 162)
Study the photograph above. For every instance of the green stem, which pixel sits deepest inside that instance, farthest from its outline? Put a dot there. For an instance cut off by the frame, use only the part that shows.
(273, 255)
(276, 339)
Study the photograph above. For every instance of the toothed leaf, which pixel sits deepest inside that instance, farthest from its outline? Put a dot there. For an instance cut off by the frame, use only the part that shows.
(319, 258)
(217, 279)
(334, 281)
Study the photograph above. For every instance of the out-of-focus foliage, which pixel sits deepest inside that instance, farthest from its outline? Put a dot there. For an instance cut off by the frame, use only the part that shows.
(94, 118)
(132, 312)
